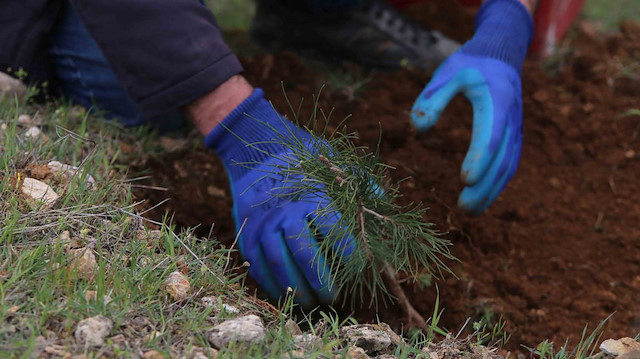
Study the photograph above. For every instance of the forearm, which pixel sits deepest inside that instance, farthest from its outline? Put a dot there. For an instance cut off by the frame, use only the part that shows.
(530, 5)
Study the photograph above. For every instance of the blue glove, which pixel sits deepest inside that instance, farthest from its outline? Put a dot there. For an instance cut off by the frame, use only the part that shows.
(276, 239)
(486, 70)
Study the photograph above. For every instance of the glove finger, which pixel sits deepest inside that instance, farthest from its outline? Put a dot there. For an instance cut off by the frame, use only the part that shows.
(506, 177)
(284, 266)
(432, 101)
(485, 125)
(259, 268)
(304, 248)
(477, 196)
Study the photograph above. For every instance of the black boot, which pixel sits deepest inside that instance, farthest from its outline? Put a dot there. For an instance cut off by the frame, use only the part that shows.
(372, 34)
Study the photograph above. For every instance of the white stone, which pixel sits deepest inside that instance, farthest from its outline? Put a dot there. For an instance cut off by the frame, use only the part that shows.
(366, 337)
(70, 171)
(25, 120)
(91, 332)
(620, 346)
(248, 329)
(39, 190)
(230, 309)
(33, 132)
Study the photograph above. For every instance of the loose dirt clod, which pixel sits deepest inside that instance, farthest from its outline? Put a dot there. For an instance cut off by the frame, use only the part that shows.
(91, 332)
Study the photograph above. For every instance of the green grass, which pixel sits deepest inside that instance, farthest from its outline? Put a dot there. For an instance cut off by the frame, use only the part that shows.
(611, 13)
(43, 292)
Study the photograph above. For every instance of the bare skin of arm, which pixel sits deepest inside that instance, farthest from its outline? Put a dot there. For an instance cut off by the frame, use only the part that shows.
(530, 5)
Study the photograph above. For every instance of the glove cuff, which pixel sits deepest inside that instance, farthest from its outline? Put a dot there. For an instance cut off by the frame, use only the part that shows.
(252, 133)
(503, 31)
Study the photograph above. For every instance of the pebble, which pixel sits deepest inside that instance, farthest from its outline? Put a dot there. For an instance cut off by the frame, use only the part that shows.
(306, 341)
(91, 332)
(11, 87)
(366, 337)
(620, 347)
(247, 329)
(177, 285)
(202, 353)
(69, 171)
(83, 261)
(153, 354)
(292, 327)
(33, 132)
(355, 353)
(39, 190)
(230, 309)
(25, 120)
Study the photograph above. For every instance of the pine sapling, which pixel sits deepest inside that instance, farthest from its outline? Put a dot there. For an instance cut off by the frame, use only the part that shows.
(388, 237)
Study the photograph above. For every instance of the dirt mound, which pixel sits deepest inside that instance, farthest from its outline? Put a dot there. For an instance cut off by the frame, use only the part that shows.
(560, 248)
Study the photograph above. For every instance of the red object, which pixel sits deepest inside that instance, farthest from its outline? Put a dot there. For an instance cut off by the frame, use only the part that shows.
(552, 19)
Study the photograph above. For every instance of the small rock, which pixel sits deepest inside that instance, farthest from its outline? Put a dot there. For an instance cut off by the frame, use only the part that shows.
(292, 327)
(230, 309)
(153, 354)
(91, 332)
(202, 353)
(294, 354)
(177, 285)
(356, 353)
(395, 338)
(306, 341)
(209, 302)
(33, 132)
(630, 154)
(216, 192)
(39, 190)
(70, 171)
(554, 182)
(25, 120)
(151, 336)
(247, 329)
(366, 337)
(65, 237)
(83, 261)
(619, 347)
(386, 356)
(11, 87)
(57, 351)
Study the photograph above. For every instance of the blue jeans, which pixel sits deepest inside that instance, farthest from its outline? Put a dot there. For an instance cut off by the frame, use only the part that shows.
(85, 77)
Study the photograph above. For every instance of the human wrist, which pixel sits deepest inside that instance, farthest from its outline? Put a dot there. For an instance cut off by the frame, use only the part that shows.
(503, 31)
(210, 110)
(250, 134)
(531, 5)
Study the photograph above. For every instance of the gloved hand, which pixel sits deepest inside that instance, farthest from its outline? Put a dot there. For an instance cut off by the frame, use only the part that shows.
(486, 70)
(276, 239)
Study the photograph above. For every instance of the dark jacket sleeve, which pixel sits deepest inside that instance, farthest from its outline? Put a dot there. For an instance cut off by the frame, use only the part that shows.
(165, 53)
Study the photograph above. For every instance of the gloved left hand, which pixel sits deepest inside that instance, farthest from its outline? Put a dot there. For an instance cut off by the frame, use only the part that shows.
(277, 239)
(486, 70)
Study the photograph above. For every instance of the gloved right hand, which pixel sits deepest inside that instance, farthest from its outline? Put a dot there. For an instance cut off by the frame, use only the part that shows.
(276, 239)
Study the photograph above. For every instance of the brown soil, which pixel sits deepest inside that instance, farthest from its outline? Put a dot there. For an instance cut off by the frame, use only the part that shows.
(559, 249)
